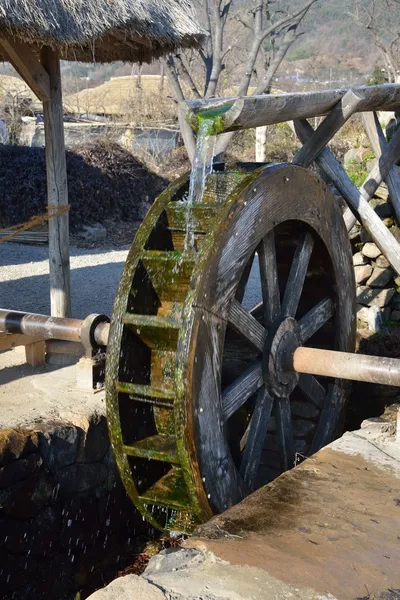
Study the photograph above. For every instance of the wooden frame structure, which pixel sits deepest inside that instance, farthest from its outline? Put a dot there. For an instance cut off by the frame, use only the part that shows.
(338, 105)
(44, 78)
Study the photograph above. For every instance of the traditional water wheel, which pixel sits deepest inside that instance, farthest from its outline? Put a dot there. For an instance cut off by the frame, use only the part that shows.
(202, 403)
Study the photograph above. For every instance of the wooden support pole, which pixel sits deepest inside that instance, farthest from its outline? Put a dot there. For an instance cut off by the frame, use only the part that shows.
(261, 140)
(36, 354)
(378, 174)
(57, 191)
(379, 144)
(335, 119)
(368, 217)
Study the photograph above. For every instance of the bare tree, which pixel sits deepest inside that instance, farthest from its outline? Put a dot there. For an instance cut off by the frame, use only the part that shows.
(245, 47)
(380, 18)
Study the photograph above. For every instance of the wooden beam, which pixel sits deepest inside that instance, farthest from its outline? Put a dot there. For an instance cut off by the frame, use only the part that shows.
(57, 190)
(379, 144)
(9, 341)
(27, 65)
(368, 217)
(256, 111)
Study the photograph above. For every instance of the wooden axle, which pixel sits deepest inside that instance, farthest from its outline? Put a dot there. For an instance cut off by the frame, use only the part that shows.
(344, 365)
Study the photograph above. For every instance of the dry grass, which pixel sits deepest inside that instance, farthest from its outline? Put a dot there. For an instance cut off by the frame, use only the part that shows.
(124, 96)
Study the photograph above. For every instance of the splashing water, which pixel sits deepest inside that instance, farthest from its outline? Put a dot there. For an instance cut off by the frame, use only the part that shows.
(202, 167)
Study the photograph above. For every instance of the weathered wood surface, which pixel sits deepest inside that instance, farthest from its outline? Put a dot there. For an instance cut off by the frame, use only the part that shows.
(284, 432)
(379, 144)
(240, 390)
(36, 354)
(297, 275)
(57, 191)
(8, 341)
(247, 326)
(255, 111)
(256, 438)
(368, 217)
(335, 119)
(315, 318)
(269, 278)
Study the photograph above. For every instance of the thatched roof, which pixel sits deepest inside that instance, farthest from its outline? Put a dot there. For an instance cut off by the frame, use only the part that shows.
(102, 30)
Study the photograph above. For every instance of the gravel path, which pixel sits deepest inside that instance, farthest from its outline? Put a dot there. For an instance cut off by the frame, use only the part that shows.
(24, 278)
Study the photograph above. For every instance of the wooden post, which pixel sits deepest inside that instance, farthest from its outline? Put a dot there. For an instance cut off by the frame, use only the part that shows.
(261, 139)
(57, 191)
(379, 144)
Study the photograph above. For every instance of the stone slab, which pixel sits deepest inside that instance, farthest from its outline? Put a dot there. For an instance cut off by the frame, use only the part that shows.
(326, 530)
(32, 395)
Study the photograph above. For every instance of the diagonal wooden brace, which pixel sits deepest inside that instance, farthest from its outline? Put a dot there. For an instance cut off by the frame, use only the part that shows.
(335, 119)
(358, 199)
(28, 66)
(379, 144)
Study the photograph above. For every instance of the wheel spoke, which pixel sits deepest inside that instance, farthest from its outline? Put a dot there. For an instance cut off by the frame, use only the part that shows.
(244, 279)
(236, 394)
(256, 437)
(316, 318)
(297, 275)
(313, 390)
(284, 431)
(247, 326)
(269, 278)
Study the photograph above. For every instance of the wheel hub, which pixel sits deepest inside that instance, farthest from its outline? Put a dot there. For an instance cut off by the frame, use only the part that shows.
(279, 377)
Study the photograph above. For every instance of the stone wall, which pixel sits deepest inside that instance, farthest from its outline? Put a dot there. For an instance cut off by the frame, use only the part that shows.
(378, 298)
(65, 519)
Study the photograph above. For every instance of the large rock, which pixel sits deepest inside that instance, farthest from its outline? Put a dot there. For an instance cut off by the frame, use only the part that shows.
(93, 233)
(371, 250)
(80, 477)
(362, 273)
(19, 470)
(380, 277)
(368, 296)
(97, 441)
(16, 443)
(359, 259)
(25, 499)
(382, 262)
(130, 587)
(59, 446)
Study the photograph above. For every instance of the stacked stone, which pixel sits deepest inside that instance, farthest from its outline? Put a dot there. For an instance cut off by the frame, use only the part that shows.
(65, 519)
(378, 299)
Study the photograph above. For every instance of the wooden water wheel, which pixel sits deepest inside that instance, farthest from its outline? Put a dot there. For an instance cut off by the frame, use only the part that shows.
(203, 406)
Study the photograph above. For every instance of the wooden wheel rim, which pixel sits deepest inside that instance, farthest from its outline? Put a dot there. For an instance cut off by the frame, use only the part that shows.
(281, 193)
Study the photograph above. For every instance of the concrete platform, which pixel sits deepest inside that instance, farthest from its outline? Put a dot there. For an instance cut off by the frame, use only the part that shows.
(32, 395)
(328, 529)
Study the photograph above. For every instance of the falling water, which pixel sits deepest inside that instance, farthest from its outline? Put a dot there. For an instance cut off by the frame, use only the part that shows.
(202, 167)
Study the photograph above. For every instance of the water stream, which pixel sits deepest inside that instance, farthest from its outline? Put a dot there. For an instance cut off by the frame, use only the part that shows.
(202, 167)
